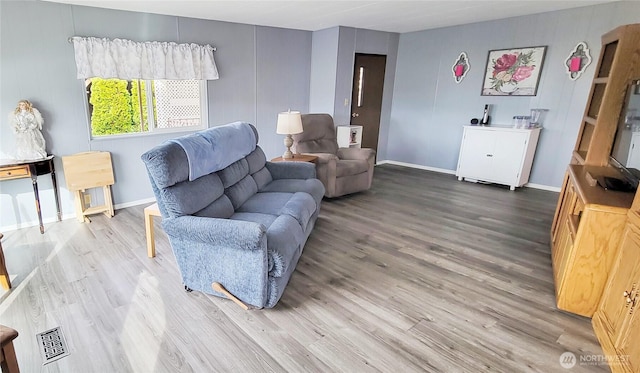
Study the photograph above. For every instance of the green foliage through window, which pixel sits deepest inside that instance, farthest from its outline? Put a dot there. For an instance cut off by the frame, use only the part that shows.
(139, 104)
(111, 107)
(119, 106)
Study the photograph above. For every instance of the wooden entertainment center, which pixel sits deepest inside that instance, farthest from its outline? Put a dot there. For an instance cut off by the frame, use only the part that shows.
(595, 235)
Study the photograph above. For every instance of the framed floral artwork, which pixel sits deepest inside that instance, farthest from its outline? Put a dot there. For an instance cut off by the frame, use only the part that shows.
(513, 72)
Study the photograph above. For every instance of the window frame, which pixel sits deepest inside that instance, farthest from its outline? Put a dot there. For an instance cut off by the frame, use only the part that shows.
(153, 130)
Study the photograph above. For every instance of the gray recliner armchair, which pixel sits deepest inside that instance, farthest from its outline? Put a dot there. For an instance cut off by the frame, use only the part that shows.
(341, 170)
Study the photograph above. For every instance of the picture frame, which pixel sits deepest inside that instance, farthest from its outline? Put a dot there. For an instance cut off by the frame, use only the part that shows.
(513, 72)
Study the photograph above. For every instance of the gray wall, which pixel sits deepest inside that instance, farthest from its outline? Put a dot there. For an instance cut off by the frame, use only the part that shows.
(267, 70)
(429, 108)
(372, 42)
(333, 57)
(262, 71)
(324, 65)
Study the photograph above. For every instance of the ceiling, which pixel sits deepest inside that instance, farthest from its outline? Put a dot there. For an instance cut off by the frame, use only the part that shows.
(389, 15)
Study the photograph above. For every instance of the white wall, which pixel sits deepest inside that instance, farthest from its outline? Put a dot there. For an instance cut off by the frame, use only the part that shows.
(429, 108)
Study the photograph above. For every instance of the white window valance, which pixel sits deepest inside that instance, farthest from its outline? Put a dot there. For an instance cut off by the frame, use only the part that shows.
(126, 59)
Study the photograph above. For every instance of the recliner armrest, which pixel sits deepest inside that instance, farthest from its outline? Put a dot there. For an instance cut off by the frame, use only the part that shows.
(291, 170)
(238, 234)
(324, 157)
(356, 153)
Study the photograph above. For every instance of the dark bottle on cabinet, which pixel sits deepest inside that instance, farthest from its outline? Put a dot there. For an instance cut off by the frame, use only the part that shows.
(486, 118)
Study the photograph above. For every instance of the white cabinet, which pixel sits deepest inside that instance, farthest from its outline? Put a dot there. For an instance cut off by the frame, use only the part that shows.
(349, 136)
(502, 155)
(634, 151)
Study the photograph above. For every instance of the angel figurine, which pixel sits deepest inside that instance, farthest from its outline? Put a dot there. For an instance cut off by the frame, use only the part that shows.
(26, 122)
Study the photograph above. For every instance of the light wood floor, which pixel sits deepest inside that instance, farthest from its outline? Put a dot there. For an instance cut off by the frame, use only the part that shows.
(421, 273)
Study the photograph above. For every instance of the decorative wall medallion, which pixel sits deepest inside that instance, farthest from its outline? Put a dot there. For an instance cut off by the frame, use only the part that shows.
(460, 67)
(577, 61)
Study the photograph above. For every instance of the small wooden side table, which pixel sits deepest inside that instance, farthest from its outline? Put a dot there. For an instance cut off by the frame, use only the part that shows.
(88, 170)
(298, 158)
(149, 213)
(15, 169)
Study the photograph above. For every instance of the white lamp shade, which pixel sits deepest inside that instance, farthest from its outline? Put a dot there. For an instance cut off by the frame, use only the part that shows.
(289, 123)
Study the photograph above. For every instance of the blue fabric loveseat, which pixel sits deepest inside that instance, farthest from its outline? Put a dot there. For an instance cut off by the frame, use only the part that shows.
(244, 222)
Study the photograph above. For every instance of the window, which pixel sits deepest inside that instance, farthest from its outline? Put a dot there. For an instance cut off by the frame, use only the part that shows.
(140, 106)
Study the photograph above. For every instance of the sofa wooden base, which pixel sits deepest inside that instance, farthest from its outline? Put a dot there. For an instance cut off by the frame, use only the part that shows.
(220, 289)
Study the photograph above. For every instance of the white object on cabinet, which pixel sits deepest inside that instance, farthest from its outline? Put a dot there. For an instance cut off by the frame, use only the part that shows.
(349, 136)
(634, 151)
(501, 155)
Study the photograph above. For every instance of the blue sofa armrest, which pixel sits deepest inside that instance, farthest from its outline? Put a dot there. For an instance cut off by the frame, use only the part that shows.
(291, 170)
(231, 252)
(235, 234)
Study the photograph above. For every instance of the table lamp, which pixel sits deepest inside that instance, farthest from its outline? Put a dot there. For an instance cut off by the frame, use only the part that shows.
(289, 123)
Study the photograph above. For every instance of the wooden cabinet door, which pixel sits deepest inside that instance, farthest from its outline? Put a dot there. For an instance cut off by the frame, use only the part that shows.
(556, 216)
(614, 310)
(629, 343)
(560, 254)
(567, 202)
(562, 241)
(626, 278)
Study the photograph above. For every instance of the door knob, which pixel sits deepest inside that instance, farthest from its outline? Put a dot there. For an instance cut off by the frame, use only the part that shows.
(355, 115)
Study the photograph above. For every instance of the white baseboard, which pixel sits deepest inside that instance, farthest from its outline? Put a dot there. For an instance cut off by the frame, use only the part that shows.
(13, 227)
(35, 223)
(544, 187)
(412, 165)
(453, 172)
(134, 203)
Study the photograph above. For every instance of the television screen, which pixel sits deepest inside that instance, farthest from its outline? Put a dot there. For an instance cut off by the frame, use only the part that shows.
(626, 145)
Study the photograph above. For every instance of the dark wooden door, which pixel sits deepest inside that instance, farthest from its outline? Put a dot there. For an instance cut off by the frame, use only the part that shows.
(366, 97)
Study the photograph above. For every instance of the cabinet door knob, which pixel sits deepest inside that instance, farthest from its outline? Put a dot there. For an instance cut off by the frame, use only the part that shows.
(629, 300)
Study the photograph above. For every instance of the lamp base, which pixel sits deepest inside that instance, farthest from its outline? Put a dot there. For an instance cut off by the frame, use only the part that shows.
(288, 142)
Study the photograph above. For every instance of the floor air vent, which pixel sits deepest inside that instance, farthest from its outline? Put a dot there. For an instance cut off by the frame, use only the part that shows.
(52, 345)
